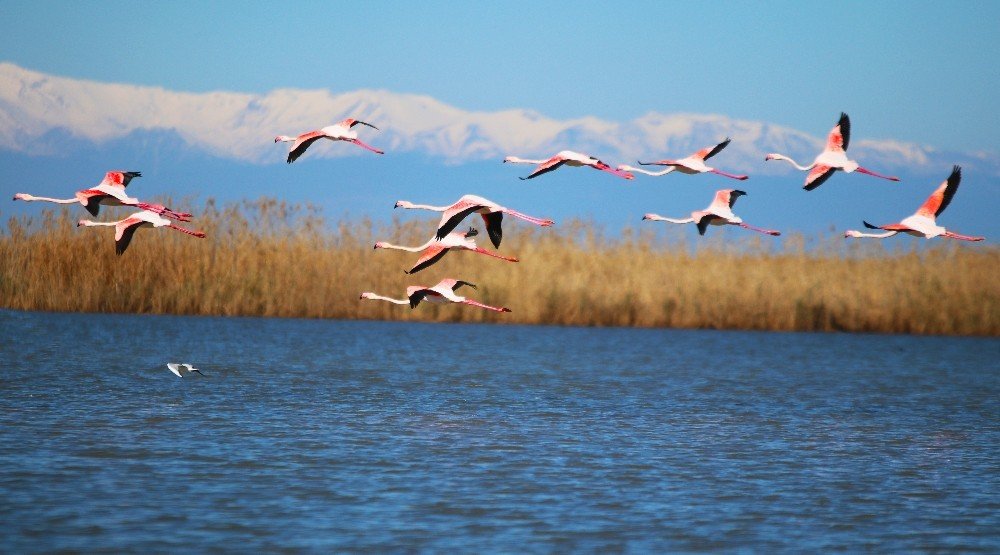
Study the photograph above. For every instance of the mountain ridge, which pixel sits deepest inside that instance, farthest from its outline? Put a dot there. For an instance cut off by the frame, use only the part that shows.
(241, 126)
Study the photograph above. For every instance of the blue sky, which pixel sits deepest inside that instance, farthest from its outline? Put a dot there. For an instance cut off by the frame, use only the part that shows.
(915, 71)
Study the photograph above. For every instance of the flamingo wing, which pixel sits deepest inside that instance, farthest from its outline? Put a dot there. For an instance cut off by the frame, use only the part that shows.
(302, 143)
(459, 283)
(91, 200)
(704, 221)
(118, 178)
(124, 232)
(733, 195)
(817, 176)
(416, 295)
(840, 135)
(454, 216)
(940, 198)
(493, 227)
(429, 256)
(715, 150)
(359, 122)
(545, 167)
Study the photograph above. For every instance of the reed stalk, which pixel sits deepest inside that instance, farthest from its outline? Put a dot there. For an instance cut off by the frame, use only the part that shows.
(269, 258)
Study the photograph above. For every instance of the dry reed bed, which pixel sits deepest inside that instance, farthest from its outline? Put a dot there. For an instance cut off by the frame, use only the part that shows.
(266, 258)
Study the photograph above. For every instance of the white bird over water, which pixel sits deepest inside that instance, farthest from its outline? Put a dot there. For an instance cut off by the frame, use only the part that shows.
(181, 369)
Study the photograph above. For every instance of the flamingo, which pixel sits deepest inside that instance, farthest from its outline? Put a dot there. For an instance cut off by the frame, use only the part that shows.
(833, 157)
(339, 132)
(491, 212)
(434, 249)
(720, 212)
(182, 369)
(569, 158)
(443, 292)
(109, 192)
(125, 228)
(694, 164)
(922, 223)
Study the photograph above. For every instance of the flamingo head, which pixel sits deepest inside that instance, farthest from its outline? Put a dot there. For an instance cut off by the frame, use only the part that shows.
(403, 204)
(852, 233)
(283, 139)
(367, 295)
(83, 223)
(22, 196)
(380, 245)
(772, 156)
(509, 159)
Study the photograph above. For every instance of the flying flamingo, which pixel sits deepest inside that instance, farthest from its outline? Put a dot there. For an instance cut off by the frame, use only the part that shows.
(923, 224)
(833, 157)
(109, 192)
(720, 212)
(569, 158)
(692, 164)
(339, 132)
(434, 249)
(443, 292)
(491, 212)
(124, 229)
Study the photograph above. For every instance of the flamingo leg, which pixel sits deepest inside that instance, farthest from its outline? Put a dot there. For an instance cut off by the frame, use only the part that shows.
(532, 219)
(164, 211)
(961, 237)
(363, 145)
(619, 173)
(873, 174)
(188, 231)
(481, 250)
(486, 306)
(729, 175)
(759, 229)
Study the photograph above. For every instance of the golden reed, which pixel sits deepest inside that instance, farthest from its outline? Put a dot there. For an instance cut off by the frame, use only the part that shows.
(268, 258)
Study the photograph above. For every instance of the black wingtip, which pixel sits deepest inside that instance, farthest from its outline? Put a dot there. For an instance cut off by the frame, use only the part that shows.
(870, 226)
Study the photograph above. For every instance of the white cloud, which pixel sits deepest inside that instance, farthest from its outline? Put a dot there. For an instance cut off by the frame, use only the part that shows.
(243, 126)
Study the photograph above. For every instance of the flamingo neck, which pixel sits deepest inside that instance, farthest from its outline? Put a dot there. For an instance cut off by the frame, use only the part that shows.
(384, 245)
(858, 234)
(647, 172)
(659, 218)
(789, 160)
(29, 198)
(377, 297)
(410, 206)
(516, 160)
(91, 223)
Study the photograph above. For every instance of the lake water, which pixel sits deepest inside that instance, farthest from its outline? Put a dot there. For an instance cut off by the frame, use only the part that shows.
(314, 435)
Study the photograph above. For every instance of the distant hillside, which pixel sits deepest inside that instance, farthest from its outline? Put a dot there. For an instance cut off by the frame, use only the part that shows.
(242, 127)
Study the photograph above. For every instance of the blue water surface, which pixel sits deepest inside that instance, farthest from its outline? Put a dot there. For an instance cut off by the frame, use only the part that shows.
(315, 435)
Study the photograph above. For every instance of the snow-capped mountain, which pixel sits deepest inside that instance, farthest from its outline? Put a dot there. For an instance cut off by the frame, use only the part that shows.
(242, 127)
